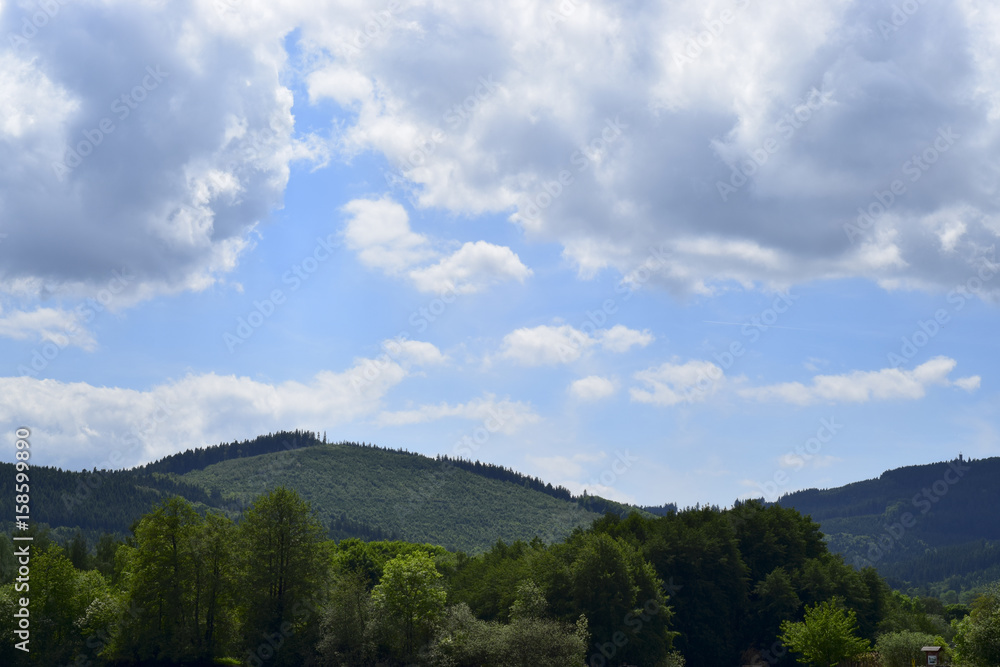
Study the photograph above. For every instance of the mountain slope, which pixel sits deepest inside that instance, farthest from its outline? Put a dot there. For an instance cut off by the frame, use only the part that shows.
(357, 490)
(934, 527)
(415, 497)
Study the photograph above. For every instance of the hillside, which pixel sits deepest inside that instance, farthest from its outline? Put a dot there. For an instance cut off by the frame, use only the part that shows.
(410, 496)
(357, 490)
(932, 527)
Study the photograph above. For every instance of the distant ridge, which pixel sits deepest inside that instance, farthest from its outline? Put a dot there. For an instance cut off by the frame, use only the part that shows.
(933, 527)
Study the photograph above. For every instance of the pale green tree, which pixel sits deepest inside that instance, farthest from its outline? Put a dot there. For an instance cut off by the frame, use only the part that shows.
(978, 639)
(411, 597)
(827, 635)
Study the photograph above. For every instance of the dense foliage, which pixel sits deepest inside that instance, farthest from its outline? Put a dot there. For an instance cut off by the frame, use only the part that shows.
(376, 493)
(698, 587)
(921, 527)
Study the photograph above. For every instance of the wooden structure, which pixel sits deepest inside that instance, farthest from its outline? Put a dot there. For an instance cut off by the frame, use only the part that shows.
(932, 653)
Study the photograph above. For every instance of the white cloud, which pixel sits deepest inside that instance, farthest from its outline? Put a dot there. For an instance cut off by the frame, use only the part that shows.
(478, 127)
(545, 345)
(414, 351)
(159, 153)
(379, 231)
(860, 106)
(969, 384)
(548, 345)
(863, 386)
(797, 461)
(672, 383)
(60, 327)
(620, 338)
(503, 416)
(83, 424)
(470, 269)
(593, 388)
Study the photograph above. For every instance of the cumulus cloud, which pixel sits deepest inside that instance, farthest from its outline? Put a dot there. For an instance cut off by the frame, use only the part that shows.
(548, 345)
(470, 269)
(812, 114)
(416, 352)
(158, 152)
(864, 386)
(593, 388)
(54, 325)
(83, 423)
(379, 231)
(505, 416)
(673, 383)
(620, 338)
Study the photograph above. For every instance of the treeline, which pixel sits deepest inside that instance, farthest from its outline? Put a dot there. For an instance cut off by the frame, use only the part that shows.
(343, 527)
(918, 525)
(705, 586)
(95, 501)
(202, 457)
(501, 473)
(272, 443)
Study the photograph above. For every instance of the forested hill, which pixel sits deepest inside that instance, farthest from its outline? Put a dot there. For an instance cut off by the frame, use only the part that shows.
(414, 497)
(273, 443)
(359, 490)
(936, 526)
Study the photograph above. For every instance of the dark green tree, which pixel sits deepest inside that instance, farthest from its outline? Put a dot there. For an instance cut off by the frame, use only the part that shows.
(283, 570)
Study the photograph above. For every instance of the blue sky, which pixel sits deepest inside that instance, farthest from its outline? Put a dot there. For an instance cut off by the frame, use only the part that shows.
(686, 253)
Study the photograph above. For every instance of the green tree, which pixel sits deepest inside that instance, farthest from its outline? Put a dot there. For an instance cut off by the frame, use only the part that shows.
(410, 596)
(77, 551)
(825, 637)
(215, 584)
(346, 631)
(8, 564)
(901, 649)
(283, 569)
(978, 639)
(104, 555)
(160, 577)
